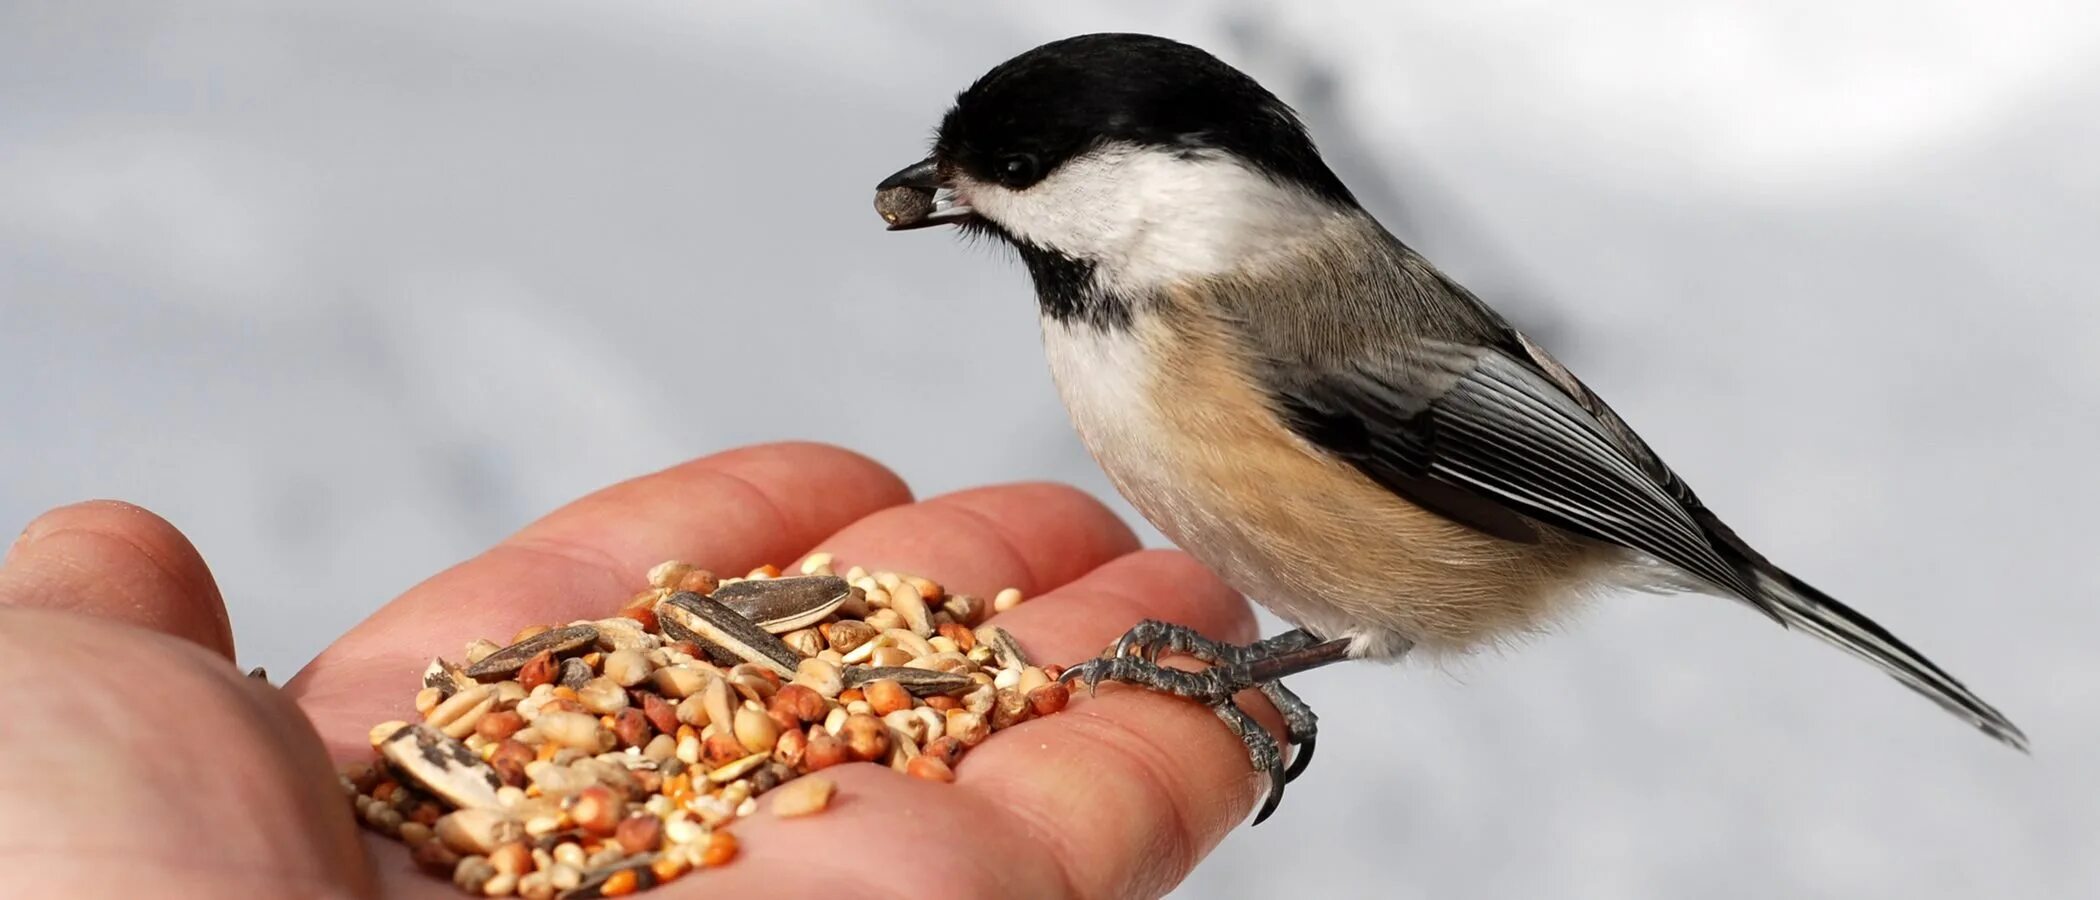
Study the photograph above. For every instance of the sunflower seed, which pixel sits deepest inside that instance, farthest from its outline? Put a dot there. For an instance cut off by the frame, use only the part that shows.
(446, 677)
(919, 682)
(669, 624)
(1004, 648)
(442, 766)
(507, 661)
(903, 207)
(729, 630)
(781, 605)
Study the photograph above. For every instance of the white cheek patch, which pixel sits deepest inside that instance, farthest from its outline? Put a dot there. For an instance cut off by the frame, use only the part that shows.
(1149, 217)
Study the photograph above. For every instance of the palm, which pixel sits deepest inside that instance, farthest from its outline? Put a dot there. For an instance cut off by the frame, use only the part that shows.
(1115, 797)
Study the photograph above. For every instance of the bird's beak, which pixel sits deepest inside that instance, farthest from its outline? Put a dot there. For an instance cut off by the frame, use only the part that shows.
(915, 197)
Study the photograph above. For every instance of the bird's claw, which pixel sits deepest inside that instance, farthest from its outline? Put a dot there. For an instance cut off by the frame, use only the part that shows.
(1151, 637)
(1133, 659)
(1301, 727)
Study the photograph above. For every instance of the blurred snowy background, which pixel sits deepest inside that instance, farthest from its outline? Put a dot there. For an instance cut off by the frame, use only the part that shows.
(350, 290)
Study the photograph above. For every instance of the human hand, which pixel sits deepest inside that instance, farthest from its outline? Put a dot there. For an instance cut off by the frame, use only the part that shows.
(144, 762)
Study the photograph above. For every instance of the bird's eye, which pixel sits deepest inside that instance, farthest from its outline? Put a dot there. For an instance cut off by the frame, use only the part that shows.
(1017, 169)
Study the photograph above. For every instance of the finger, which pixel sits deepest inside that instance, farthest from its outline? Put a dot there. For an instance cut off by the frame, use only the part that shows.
(1035, 537)
(729, 512)
(1129, 789)
(115, 561)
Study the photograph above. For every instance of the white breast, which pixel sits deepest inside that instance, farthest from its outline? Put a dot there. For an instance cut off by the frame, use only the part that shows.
(1110, 386)
(1105, 378)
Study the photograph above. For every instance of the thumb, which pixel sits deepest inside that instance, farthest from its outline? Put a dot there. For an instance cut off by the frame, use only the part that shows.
(116, 561)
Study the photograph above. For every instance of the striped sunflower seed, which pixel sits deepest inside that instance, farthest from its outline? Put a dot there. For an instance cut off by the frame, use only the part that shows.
(781, 605)
(724, 628)
(918, 682)
(506, 662)
(442, 766)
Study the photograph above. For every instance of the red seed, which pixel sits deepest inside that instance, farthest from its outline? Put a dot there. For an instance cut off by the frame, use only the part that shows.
(964, 638)
(699, 581)
(644, 615)
(640, 834)
(540, 669)
(800, 703)
(1048, 699)
(497, 727)
(661, 713)
(823, 752)
(509, 759)
(632, 727)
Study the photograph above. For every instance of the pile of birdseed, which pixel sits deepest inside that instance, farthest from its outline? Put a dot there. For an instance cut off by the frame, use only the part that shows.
(601, 758)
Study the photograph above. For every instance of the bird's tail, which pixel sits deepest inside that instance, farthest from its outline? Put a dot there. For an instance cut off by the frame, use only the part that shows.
(1800, 606)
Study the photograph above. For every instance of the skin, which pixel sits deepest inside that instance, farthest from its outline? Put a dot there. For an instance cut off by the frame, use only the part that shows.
(142, 760)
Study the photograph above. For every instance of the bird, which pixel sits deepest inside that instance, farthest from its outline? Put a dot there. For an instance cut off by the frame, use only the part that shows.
(1305, 404)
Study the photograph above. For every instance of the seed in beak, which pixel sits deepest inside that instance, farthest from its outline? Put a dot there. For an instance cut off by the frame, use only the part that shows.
(903, 206)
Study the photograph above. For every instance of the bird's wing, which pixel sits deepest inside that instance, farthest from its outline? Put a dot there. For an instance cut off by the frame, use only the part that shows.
(1478, 434)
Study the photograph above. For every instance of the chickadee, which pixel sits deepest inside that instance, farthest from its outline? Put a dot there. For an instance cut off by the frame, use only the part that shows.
(1305, 404)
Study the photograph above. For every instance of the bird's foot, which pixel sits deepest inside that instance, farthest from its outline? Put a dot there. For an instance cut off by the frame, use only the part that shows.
(1232, 668)
(1151, 637)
